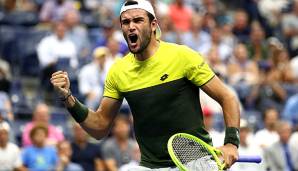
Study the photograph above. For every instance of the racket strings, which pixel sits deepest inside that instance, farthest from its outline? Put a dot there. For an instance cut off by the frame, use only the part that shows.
(193, 155)
(188, 150)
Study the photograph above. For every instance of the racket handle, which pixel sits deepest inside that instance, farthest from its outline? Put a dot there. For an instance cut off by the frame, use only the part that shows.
(250, 159)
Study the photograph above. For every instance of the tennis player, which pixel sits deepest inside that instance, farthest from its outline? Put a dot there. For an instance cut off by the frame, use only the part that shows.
(161, 83)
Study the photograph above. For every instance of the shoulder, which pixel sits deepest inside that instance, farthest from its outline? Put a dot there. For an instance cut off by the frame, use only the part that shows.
(177, 51)
(172, 46)
(47, 40)
(54, 129)
(29, 150)
(87, 68)
(13, 147)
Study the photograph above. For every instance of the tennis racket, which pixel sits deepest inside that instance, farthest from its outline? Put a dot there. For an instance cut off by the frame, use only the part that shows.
(191, 153)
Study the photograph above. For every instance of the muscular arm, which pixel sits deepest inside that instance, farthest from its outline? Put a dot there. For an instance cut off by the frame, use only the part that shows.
(217, 90)
(231, 110)
(98, 123)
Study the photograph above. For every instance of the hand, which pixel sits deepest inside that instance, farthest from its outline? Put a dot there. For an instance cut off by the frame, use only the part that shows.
(64, 160)
(229, 154)
(61, 83)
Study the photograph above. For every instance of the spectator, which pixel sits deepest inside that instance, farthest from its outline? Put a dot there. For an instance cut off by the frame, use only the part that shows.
(168, 31)
(290, 27)
(180, 15)
(5, 107)
(228, 36)
(278, 156)
(91, 78)
(54, 10)
(39, 156)
(270, 91)
(267, 136)
(4, 76)
(281, 69)
(64, 153)
(113, 46)
(290, 111)
(77, 33)
(117, 149)
(51, 49)
(216, 63)
(272, 10)
(41, 115)
(84, 153)
(257, 46)
(247, 148)
(3, 118)
(109, 31)
(242, 73)
(160, 7)
(10, 156)
(217, 137)
(224, 51)
(294, 66)
(241, 26)
(136, 158)
(197, 39)
(293, 145)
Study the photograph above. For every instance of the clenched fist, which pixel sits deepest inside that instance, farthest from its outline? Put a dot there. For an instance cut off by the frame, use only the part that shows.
(61, 83)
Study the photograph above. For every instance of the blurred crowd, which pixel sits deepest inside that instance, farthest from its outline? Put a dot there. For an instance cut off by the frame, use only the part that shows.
(252, 45)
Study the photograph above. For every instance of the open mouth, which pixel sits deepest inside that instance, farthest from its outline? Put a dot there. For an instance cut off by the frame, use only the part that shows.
(133, 38)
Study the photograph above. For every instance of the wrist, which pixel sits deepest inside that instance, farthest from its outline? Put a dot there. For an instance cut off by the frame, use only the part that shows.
(78, 111)
(232, 136)
(66, 96)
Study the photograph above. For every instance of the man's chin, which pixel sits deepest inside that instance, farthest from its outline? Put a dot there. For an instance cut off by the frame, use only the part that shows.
(134, 50)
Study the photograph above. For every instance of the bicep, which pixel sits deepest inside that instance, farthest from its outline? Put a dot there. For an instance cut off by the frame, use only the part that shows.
(109, 107)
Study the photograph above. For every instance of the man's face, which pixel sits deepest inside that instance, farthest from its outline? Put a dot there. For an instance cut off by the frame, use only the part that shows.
(137, 29)
(39, 138)
(3, 136)
(121, 129)
(41, 114)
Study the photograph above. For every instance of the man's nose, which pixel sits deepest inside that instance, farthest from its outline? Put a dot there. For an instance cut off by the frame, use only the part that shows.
(131, 27)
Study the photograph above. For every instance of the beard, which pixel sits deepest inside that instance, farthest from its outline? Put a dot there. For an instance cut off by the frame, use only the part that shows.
(144, 37)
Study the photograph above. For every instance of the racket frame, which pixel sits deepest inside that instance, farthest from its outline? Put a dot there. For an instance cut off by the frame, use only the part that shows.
(212, 150)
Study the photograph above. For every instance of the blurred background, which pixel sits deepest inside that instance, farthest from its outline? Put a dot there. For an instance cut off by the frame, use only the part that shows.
(252, 45)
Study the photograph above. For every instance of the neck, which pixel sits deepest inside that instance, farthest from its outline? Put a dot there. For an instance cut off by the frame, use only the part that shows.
(149, 51)
(3, 144)
(39, 145)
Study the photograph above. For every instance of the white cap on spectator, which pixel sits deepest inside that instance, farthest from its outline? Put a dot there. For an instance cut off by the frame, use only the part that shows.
(144, 5)
(4, 126)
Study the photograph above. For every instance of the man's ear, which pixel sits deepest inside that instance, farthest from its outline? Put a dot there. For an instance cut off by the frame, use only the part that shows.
(154, 25)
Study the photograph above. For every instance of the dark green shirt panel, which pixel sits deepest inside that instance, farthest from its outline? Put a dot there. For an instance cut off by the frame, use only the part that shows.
(161, 111)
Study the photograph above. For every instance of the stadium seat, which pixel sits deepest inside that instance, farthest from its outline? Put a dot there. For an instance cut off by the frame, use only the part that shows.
(94, 34)
(20, 18)
(27, 41)
(8, 43)
(89, 19)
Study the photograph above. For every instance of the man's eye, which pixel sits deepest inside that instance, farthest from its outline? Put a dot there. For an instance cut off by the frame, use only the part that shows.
(138, 20)
(125, 22)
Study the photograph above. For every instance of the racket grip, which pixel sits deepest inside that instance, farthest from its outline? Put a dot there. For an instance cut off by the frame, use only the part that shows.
(250, 159)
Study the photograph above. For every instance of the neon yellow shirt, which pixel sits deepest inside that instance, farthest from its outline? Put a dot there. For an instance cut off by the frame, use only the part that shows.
(163, 95)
